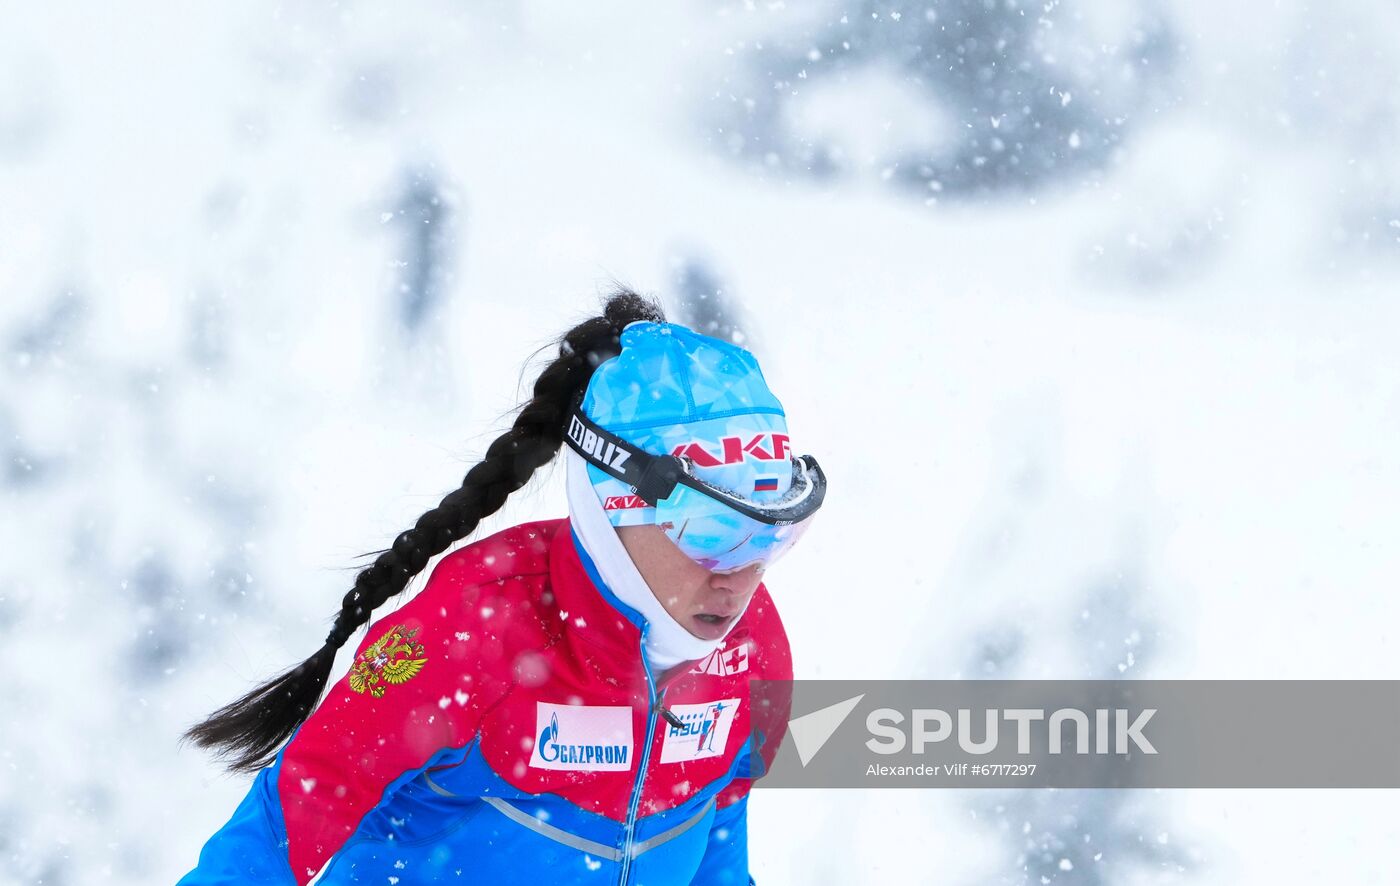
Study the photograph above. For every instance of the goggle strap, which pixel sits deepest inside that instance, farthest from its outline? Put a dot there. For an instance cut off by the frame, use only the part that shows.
(659, 479)
(653, 478)
(650, 477)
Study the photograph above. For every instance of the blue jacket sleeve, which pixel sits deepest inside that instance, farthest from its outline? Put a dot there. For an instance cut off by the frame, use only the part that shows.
(250, 848)
(726, 861)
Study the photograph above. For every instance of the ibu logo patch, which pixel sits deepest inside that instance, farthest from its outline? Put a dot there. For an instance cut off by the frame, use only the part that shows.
(593, 738)
(704, 731)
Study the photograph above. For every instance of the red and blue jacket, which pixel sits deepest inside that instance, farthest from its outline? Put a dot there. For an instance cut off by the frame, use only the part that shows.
(503, 727)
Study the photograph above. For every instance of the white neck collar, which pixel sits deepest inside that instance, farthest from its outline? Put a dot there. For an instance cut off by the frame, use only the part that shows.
(667, 642)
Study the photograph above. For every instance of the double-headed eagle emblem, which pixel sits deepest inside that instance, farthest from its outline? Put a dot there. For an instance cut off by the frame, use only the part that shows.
(392, 659)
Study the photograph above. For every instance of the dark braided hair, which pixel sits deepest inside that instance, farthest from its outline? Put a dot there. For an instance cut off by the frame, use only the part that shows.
(247, 733)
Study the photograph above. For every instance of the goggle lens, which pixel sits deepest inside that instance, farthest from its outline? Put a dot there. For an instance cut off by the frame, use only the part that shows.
(729, 543)
(723, 540)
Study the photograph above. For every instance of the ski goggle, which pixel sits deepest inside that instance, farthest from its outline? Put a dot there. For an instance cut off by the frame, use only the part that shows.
(716, 527)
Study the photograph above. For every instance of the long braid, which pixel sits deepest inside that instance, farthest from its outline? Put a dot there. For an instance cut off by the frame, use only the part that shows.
(248, 732)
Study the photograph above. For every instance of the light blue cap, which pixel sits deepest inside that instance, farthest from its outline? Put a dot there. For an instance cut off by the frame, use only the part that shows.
(673, 391)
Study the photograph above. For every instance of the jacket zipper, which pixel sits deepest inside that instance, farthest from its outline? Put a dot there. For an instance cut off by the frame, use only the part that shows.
(631, 825)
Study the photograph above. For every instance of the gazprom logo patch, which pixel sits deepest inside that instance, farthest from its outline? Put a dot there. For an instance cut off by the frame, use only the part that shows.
(595, 738)
(703, 730)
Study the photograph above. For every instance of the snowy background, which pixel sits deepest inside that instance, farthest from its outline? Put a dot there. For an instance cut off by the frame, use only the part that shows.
(1088, 310)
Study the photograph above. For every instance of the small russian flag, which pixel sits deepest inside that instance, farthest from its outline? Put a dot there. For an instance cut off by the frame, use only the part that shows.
(765, 484)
